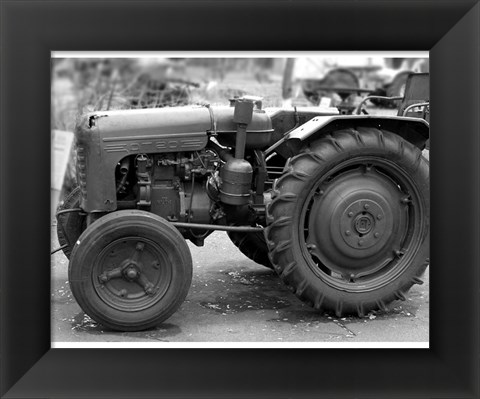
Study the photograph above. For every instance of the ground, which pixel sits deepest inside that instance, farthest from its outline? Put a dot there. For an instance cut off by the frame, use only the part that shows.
(232, 299)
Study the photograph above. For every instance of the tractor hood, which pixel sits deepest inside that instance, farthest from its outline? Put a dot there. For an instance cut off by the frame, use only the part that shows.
(149, 122)
(171, 122)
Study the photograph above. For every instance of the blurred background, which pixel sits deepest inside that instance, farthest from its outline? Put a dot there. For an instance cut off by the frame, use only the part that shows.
(82, 85)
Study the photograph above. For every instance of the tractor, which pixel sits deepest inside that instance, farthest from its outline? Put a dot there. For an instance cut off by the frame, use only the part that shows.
(338, 205)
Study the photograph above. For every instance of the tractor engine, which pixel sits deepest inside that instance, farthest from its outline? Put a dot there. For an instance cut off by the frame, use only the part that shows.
(169, 185)
(186, 187)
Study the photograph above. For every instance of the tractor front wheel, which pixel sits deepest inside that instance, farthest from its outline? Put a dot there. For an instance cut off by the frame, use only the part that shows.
(349, 221)
(130, 270)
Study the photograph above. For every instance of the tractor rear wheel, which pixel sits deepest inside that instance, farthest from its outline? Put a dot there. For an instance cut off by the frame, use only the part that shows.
(130, 270)
(349, 221)
(252, 245)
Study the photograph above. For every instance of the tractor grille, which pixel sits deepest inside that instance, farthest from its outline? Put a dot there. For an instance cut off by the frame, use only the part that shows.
(81, 170)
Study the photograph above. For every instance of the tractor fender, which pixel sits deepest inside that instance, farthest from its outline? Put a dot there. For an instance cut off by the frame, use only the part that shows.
(414, 130)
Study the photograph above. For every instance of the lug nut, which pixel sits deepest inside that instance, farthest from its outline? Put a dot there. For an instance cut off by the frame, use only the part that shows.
(366, 206)
(379, 217)
(150, 291)
(348, 232)
(376, 235)
(360, 243)
(350, 214)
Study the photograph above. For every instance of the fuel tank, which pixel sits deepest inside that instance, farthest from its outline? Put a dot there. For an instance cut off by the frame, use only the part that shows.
(259, 130)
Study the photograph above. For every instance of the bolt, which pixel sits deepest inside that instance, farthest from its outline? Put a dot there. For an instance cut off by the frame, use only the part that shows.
(366, 206)
(123, 293)
(379, 217)
(350, 214)
(321, 192)
(398, 254)
(376, 235)
(140, 246)
(103, 278)
(152, 291)
(132, 273)
(348, 232)
(360, 243)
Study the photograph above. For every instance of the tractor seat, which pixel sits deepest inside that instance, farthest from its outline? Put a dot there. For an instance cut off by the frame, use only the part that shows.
(415, 101)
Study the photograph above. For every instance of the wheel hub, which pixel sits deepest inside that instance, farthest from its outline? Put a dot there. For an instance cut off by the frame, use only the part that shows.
(131, 272)
(354, 221)
(362, 224)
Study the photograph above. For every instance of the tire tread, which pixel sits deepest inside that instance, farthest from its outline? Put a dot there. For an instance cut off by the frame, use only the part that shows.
(279, 212)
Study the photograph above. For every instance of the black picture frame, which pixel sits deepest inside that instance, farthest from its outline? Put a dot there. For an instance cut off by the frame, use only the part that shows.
(450, 30)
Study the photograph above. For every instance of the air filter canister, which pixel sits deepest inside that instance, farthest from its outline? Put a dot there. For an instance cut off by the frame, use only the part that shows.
(236, 176)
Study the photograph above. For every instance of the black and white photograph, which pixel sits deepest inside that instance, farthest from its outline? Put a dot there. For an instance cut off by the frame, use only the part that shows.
(240, 200)
(237, 199)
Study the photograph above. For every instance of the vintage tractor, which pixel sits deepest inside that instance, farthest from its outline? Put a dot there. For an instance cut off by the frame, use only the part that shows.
(337, 205)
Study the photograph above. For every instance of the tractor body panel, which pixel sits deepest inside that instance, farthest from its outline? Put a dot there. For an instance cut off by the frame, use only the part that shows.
(414, 130)
(104, 138)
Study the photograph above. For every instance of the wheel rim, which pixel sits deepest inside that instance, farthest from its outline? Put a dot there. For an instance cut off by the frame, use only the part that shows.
(132, 274)
(361, 224)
